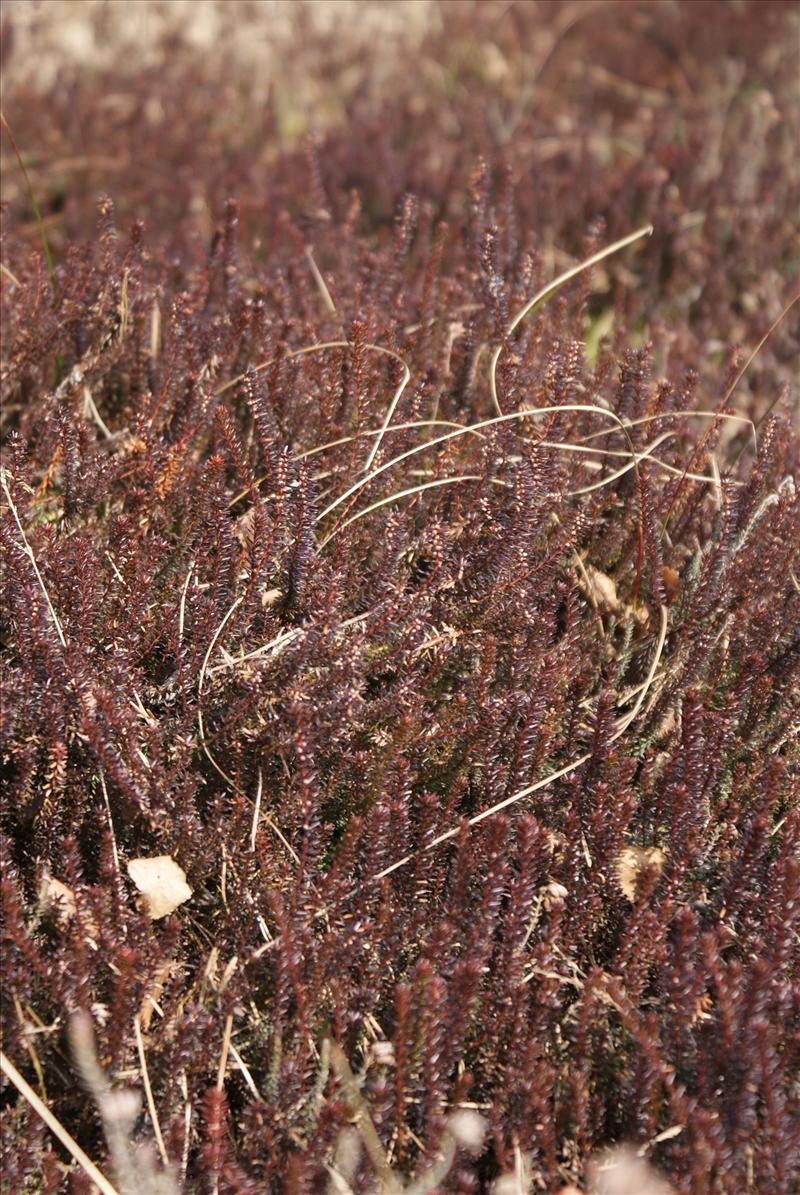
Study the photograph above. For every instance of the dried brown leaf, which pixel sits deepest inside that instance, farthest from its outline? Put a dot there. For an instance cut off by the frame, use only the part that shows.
(633, 862)
(600, 590)
(161, 882)
(57, 897)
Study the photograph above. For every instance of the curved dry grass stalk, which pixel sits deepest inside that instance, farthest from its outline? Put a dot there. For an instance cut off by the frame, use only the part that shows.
(414, 489)
(200, 686)
(148, 1090)
(621, 726)
(737, 379)
(684, 414)
(321, 284)
(299, 456)
(204, 740)
(56, 1127)
(342, 344)
(398, 427)
(29, 553)
(638, 457)
(547, 291)
(525, 413)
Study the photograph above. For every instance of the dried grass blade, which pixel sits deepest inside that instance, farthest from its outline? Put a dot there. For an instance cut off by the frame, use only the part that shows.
(56, 1127)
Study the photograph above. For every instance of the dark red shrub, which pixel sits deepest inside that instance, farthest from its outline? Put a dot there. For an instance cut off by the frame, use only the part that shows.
(468, 708)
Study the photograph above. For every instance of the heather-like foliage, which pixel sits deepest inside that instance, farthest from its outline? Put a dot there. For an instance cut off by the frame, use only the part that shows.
(455, 659)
